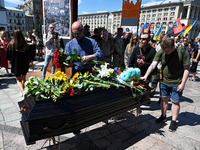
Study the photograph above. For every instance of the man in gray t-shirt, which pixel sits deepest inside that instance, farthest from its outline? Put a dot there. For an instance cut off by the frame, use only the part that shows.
(50, 43)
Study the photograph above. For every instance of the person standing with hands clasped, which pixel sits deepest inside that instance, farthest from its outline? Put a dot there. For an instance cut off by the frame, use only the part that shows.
(87, 48)
(175, 70)
(50, 43)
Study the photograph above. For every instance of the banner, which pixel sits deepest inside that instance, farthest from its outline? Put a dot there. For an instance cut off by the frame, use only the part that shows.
(57, 12)
(130, 15)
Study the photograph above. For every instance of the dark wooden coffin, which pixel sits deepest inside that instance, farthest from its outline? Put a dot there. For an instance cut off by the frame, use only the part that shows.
(44, 119)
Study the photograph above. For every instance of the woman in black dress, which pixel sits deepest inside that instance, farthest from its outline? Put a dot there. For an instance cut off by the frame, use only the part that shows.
(31, 41)
(19, 54)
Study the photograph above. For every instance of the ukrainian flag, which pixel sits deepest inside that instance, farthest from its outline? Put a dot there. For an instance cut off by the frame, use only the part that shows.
(157, 34)
(143, 29)
(188, 28)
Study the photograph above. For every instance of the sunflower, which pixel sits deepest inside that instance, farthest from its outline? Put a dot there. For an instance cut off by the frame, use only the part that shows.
(76, 77)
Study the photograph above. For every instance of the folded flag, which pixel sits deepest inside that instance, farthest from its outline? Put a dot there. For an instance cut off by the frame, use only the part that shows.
(157, 34)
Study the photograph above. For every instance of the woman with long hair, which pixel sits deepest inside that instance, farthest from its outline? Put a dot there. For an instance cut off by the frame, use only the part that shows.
(31, 41)
(19, 54)
(3, 49)
(129, 49)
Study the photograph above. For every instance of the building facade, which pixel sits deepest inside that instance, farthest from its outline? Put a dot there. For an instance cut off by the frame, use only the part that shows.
(15, 19)
(157, 13)
(29, 22)
(33, 7)
(3, 19)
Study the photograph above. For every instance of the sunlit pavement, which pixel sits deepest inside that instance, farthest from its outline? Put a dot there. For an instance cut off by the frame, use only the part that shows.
(116, 134)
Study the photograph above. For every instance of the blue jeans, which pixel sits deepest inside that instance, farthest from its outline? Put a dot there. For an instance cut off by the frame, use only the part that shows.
(46, 63)
(170, 91)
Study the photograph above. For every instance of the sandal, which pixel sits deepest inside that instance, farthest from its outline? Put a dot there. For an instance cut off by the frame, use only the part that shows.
(191, 79)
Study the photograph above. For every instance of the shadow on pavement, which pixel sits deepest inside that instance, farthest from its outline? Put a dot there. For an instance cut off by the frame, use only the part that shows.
(114, 136)
(6, 81)
(186, 99)
(188, 118)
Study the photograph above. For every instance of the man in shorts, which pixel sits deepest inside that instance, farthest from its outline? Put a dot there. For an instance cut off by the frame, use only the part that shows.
(175, 70)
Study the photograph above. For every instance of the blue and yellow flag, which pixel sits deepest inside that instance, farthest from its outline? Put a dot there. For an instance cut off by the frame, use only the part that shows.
(143, 29)
(183, 33)
(157, 34)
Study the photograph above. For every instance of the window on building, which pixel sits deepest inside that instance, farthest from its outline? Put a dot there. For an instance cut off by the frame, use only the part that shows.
(149, 11)
(10, 27)
(160, 14)
(171, 18)
(173, 8)
(14, 21)
(148, 16)
(172, 14)
(154, 10)
(13, 14)
(153, 15)
(153, 19)
(164, 23)
(166, 9)
(143, 16)
(165, 18)
(165, 14)
(159, 19)
(143, 12)
(159, 10)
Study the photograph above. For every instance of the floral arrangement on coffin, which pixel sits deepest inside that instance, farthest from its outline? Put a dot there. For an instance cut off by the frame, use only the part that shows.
(61, 58)
(53, 87)
(59, 85)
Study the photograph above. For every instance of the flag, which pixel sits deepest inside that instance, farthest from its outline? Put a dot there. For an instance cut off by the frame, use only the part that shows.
(142, 29)
(188, 28)
(184, 27)
(157, 34)
(145, 27)
(148, 28)
(199, 34)
(175, 29)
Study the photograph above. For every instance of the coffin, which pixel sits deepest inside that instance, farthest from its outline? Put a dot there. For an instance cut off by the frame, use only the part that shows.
(44, 119)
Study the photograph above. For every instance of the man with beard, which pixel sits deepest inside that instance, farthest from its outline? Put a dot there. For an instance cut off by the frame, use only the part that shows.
(142, 55)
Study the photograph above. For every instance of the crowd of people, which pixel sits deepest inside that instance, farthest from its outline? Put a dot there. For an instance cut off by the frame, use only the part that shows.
(167, 60)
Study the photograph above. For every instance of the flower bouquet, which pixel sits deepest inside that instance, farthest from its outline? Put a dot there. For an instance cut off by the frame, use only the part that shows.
(61, 58)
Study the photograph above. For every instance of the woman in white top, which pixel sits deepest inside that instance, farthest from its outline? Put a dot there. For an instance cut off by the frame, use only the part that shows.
(129, 49)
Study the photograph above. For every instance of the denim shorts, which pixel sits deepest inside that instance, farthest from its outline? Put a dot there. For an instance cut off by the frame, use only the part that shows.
(170, 91)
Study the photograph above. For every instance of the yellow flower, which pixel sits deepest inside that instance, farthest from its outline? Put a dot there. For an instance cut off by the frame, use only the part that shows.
(68, 87)
(86, 74)
(111, 71)
(76, 77)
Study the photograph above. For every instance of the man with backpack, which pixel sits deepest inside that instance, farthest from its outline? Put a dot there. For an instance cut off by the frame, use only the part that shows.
(174, 73)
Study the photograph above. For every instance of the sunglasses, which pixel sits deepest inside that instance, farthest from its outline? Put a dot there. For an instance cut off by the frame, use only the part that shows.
(143, 38)
(77, 33)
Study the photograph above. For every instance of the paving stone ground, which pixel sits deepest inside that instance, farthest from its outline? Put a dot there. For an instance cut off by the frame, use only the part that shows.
(114, 135)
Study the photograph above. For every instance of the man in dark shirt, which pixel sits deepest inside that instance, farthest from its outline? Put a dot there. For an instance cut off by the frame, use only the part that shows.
(143, 54)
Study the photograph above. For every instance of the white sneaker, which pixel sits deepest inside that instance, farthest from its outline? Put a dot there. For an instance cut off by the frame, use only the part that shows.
(21, 94)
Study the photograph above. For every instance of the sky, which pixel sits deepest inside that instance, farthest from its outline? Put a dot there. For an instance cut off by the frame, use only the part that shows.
(91, 6)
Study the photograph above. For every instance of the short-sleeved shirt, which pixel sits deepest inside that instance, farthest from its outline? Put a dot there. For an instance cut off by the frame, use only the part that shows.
(174, 69)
